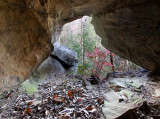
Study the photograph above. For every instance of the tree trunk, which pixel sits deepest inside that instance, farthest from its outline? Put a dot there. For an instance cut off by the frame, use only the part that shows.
(82, 42)
(111, 60)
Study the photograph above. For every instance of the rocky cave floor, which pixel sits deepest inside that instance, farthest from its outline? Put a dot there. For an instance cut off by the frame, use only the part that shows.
(127, 95)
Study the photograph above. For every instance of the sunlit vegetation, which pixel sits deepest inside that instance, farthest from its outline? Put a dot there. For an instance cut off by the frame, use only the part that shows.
(82, 38)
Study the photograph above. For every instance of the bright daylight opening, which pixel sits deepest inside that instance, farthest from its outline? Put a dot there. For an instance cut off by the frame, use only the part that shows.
(93, 59)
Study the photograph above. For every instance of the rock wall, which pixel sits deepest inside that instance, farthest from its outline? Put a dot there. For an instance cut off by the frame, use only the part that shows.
(129, 28)
(24, 43)
(133, 33)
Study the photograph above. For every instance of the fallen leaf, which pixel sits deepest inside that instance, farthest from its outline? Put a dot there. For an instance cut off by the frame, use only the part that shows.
(27, 111)
(55, 96)
(29, 103)
(49, 98)
(69, 93)
(79, 100)
(100, 101)
(8, 95)
(84, 95)
(64, 117)
(80, 90)
(89, 108)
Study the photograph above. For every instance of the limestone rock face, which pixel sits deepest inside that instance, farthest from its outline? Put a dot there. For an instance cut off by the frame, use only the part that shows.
(129, 28)
(133, 33)
(24, 43)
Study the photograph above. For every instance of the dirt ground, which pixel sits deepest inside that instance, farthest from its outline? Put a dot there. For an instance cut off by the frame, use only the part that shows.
(63, 96)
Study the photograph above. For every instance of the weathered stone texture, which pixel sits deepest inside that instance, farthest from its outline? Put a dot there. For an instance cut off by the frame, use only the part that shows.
(24, 43)
(129, 28)
(133, 33)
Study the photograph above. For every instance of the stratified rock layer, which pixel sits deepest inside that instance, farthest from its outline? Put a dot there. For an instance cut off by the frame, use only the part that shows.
(133, 33)
(24, 43)
(129, 28)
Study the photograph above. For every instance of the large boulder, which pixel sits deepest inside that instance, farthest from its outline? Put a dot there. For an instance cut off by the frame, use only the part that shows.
(66, 55)
(61, 60)
(50, 65)
(114, 109)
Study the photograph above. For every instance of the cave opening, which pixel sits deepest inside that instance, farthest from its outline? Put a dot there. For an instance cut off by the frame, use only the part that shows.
(64, 76)
(80, 36)
(69, 83)
(73, 42)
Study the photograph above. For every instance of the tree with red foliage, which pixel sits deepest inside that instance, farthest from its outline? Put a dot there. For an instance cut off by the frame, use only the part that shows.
(99, 63)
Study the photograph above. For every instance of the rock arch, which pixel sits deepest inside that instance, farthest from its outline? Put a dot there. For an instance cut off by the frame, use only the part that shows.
(129, 28)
